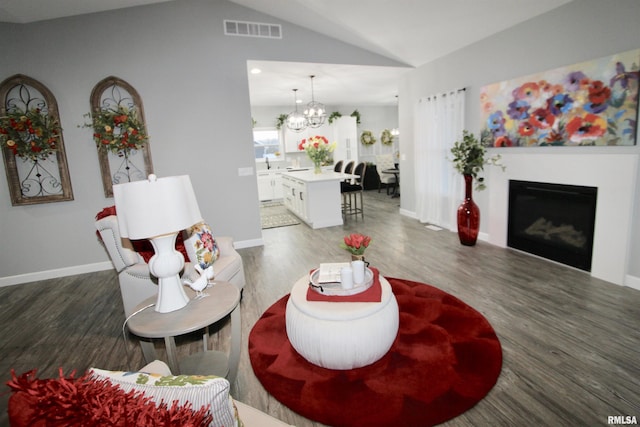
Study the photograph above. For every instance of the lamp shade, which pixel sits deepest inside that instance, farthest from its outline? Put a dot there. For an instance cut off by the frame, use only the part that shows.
(155, 206)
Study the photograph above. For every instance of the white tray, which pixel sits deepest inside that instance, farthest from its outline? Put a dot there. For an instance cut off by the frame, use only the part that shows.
(335, 288)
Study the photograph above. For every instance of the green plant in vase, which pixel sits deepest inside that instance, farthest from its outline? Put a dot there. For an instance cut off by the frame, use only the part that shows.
(469, 158)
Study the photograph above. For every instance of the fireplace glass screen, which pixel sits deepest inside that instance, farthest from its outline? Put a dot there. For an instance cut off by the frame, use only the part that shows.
(553, 221)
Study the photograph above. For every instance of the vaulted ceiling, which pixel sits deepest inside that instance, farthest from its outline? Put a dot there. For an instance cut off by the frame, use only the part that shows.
(412, 32)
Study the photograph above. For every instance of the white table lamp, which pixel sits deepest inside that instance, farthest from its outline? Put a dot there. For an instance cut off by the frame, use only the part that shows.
(158, 209)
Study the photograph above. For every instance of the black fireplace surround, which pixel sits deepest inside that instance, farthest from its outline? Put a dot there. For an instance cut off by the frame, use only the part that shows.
(554, 221)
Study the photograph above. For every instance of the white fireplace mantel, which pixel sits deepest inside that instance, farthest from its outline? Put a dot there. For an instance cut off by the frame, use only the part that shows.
(613, 174)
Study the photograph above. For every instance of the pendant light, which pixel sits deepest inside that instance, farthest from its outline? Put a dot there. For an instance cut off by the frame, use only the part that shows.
(315, 112)
(296, 121)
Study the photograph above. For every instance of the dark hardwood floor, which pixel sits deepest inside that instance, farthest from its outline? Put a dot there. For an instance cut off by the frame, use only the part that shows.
(571, 343)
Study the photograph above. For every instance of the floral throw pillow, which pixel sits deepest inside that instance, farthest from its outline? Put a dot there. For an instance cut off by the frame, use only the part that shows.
(201, 246)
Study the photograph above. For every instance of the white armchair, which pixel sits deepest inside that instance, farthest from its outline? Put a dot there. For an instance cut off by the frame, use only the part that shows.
(136, 284)
(385, 161)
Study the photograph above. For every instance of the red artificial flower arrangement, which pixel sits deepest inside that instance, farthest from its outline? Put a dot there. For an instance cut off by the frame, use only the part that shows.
(356, 243)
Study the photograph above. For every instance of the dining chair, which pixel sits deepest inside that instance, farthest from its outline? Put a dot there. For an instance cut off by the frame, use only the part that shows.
(385, 161)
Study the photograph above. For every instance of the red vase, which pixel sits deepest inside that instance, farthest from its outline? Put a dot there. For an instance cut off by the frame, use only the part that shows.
(468, 216)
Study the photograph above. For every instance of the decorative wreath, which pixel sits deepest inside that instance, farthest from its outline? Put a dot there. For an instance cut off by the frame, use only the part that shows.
(386, 137)
(367, 138)
(31, 134)
(118, 131)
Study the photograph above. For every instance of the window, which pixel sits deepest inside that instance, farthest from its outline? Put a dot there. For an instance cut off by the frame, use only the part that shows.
(266, 143)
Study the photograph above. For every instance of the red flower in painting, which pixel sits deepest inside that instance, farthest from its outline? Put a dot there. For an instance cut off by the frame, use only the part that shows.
(503, 141)
(527, 91)
(554, 138)
(526, 129)
(586, 128)
(542, 118)
(598, 92)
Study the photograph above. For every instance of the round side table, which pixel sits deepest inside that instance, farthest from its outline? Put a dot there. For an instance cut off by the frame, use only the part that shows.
(223, 299)
(341, 335)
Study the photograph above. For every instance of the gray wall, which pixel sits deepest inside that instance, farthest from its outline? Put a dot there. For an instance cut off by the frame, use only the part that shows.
(193, 83)
(579, 31)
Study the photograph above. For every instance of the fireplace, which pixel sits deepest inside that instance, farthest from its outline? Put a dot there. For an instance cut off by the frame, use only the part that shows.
(554, 221)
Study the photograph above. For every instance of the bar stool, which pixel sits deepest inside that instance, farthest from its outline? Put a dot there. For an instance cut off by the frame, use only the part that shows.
(350, 192)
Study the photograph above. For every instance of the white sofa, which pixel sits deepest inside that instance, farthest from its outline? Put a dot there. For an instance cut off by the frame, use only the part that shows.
(136, 284)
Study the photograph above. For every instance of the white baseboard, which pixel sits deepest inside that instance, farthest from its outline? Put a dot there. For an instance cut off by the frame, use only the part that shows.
(248, 243)
(52, 274)
(87, 268)
(632, 282)
(407, 213)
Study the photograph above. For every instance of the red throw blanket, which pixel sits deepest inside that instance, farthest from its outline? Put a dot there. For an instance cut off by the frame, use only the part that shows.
(144, 246)
(71, 401)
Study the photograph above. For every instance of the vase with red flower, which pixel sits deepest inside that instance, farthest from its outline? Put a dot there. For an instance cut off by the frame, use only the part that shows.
(356, 244)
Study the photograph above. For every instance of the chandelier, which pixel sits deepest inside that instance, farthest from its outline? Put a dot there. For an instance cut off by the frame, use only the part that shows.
(315, 113)
(296, 121)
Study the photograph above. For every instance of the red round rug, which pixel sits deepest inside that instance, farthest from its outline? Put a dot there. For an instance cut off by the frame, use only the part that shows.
(444, 360)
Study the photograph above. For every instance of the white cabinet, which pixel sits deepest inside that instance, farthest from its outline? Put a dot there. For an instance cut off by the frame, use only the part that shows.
(314, 198)
(343, 131)
(269, 185)
(295, 196)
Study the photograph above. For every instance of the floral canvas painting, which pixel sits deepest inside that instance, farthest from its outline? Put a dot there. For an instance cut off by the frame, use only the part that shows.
(591, 103)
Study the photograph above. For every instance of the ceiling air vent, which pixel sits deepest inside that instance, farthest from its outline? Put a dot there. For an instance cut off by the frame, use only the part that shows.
(252, 29)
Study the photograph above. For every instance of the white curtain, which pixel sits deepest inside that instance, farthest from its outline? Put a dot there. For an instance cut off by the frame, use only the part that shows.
(439, 188)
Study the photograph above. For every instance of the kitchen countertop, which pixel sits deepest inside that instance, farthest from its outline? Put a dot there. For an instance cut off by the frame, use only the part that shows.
(310, 176)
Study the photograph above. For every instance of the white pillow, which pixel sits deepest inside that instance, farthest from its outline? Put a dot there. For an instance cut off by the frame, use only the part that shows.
(198, 390)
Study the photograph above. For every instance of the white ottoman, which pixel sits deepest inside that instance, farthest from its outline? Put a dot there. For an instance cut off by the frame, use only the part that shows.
(341, 335)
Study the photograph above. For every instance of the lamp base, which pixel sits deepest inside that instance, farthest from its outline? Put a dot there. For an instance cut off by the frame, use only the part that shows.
(165, 265)
(171, 295)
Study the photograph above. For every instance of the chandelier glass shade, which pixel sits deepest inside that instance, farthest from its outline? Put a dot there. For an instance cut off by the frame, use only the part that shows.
(296, 121)
(315, 113)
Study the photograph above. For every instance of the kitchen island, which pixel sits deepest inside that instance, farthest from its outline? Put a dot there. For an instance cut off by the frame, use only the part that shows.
(314, 198)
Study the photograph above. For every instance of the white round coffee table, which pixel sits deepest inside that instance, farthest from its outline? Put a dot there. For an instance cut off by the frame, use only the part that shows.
(341, 335)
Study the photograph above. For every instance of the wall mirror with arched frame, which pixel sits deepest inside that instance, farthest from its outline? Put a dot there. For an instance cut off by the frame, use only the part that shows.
(32, 143)
(120, 133)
